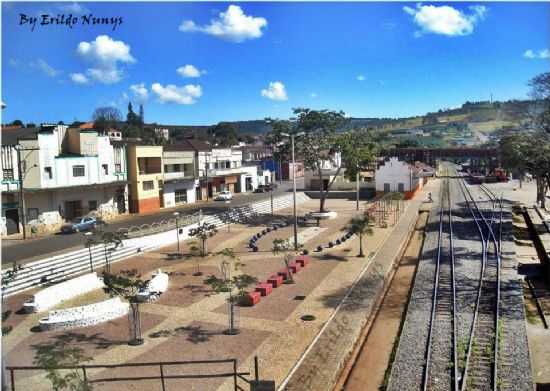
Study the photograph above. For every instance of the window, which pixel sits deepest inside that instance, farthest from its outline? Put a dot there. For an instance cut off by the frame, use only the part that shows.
(7, 174)
(105, 169)
(118, 167)
(47, 173)
(401, 187)
(92, 205)
(148, 185)
(78, 171)
(181, 196)
(32, 214)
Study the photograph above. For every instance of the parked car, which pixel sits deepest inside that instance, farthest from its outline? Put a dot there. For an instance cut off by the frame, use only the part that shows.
(261, 189)
(80, 224)
(224, 195)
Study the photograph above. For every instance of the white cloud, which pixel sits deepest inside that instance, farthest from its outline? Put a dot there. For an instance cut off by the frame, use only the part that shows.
(313, 95)
(190, 71)
(541, 54)
(79, 78)
(140, 92)
(74, 8)
(105, 54)
(445, 20)
(232, 25)
(275, 91)
(44, 67)
(186, 95)
(361, 77)
(13, 62)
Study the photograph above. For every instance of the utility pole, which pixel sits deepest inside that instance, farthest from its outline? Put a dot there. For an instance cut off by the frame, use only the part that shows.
(21, 174)
(206, 174)
(21, 192)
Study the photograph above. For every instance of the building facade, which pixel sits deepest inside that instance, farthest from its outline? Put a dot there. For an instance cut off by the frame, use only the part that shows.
(145, 174)
(66, 173)
(180, 172)
(393, 175)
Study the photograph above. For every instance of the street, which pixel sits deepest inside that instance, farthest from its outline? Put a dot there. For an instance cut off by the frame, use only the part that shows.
(17, 250)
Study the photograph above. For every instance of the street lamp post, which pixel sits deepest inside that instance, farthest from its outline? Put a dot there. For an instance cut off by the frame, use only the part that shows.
(292, 136)
(357, 188)
(177, 231)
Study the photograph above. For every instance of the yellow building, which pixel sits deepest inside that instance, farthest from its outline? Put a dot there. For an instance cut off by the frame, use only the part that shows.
(145, 173)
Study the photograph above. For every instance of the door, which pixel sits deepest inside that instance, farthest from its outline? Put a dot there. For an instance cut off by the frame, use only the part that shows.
(386, 187)
(12, 221)
(401, 187)
(73, 209)
(198, 193)
(120, 204)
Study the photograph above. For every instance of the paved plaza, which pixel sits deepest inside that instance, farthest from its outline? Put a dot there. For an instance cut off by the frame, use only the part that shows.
(188, 321)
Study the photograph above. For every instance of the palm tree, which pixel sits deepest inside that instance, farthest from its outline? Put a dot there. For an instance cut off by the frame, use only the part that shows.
(359, 225)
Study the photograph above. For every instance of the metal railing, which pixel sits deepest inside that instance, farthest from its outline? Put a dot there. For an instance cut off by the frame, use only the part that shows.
(161, 377)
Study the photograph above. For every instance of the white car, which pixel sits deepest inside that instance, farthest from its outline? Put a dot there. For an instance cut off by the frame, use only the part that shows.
(224, 195)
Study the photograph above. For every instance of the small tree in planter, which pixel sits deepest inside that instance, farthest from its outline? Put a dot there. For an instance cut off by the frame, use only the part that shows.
(359, 225)
(127, 285)
(7, 278)
(286, 249)
(234, 285)
(202, 232)
(110, 240)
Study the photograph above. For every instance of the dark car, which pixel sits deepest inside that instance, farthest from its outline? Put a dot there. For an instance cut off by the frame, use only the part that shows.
(80, 224)
(260, 189)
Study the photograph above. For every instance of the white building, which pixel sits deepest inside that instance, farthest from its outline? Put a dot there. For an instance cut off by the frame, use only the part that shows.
(394, 175)
(179, 176)
(67, 173)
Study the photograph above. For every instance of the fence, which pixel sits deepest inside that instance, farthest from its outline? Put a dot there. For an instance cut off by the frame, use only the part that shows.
(237, 377)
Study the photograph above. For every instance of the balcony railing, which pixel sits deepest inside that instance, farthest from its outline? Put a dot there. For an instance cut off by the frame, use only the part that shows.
(168, 176)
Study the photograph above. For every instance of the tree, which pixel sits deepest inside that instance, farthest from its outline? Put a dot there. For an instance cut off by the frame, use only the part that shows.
(110, 240)
(224, 134)
(318, 144)
(202, 232)
(540, 90)
(230, 284)
(53, 355)
(7, 277)
(141, 115)
(106, 118)
(17, 122)
(286, 249)
(359, 225)
(132, 119)
(31, 125)
(127, 285)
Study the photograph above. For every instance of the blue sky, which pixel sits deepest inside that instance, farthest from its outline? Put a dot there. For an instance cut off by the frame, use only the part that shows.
(200, 63)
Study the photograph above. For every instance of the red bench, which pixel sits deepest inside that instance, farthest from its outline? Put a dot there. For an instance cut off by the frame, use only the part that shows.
(303, 260)
(294, 267)
(275, 280)
(251, 298)
(283, 273)
(264, 288)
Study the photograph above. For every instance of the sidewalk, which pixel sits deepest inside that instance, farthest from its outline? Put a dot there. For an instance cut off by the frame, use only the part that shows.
(320, 366)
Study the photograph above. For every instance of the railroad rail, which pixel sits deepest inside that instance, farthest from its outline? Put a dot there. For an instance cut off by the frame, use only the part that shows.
(442, 333)
(481, 366)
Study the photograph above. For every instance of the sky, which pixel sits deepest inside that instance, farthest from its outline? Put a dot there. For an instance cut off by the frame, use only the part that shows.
(202, 63)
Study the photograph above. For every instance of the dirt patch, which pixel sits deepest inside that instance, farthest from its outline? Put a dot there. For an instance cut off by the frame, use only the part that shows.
(376, 354)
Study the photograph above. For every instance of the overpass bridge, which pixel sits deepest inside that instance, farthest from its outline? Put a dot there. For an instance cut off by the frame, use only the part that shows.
(478, 157)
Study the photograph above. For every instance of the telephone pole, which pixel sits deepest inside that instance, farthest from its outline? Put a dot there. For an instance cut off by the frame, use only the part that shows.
(21, 190)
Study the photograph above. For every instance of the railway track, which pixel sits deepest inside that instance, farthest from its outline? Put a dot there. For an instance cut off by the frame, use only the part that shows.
(441, 344)
(481, 363)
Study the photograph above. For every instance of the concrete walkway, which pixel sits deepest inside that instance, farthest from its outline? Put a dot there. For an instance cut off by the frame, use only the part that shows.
(321, 364)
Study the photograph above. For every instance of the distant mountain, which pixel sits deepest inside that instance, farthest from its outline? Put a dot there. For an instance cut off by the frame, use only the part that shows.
(483, 116)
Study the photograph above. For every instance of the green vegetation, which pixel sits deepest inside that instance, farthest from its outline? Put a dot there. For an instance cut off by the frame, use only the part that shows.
(360, 225)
